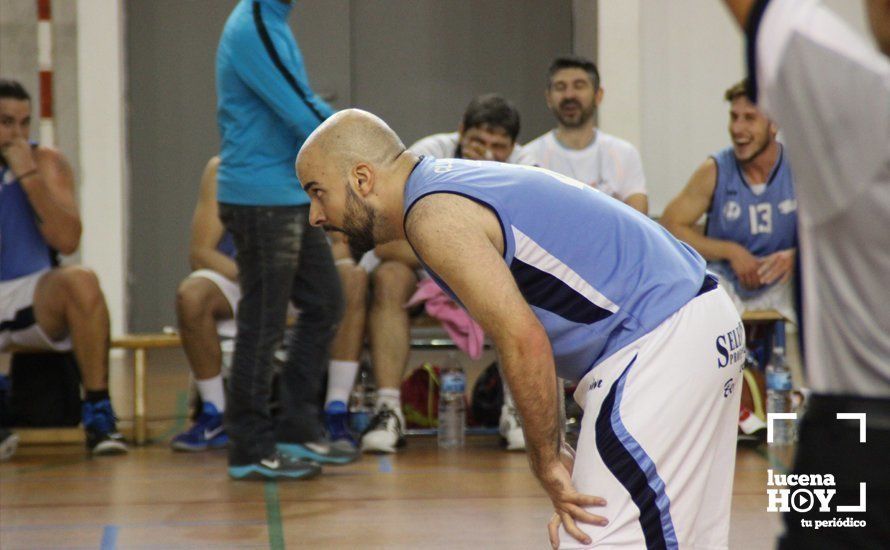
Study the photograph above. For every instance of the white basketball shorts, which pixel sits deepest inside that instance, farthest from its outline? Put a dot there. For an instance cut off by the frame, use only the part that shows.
(658, 437)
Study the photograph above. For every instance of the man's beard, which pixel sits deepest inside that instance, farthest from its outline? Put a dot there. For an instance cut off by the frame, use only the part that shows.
(755, 154)
(577, 120)
(359, 224)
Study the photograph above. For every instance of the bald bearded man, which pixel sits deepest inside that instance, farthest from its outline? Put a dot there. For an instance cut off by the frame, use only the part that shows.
(626, 309)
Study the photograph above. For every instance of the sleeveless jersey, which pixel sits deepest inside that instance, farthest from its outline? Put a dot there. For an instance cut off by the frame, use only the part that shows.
(596, 273)
(763, 223)
(23, 250)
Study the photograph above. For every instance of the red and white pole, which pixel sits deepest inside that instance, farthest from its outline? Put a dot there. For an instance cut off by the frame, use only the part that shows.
(45, 65)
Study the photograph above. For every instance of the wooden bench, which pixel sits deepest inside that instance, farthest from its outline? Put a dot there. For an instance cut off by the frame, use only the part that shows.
(425, 334)
(139, 344)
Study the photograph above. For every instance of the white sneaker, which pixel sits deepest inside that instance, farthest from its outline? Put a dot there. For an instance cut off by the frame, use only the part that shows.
(384, 433)
(511, 428)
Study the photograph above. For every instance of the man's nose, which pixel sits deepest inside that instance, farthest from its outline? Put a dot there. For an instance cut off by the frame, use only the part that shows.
(316, 216)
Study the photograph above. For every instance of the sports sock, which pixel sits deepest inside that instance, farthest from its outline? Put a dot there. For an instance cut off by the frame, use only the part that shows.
(212, 391)
(341, 378)
(389, 397)
(95, 396)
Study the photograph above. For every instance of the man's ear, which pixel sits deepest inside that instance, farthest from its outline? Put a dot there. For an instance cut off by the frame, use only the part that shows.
(598, 96)
(362, 177)
(547, 97)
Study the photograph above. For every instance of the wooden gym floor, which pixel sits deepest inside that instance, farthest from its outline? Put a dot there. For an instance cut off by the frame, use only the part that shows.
(479, 498)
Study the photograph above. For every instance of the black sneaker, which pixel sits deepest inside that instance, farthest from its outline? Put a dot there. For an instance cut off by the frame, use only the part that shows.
(9, 442)
(276, 466)
(102, 435)
(384, 433)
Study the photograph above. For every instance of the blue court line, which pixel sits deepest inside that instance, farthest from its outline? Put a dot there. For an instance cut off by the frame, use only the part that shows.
(109, 537)
(385, 465)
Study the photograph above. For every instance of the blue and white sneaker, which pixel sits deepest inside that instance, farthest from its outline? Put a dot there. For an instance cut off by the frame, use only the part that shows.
(336, 423)
(206, 433)
(99, 424)
(276, 466)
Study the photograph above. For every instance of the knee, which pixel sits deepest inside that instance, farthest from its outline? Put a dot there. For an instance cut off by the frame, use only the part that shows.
(191, 302)
(393, 283)
(82, 288)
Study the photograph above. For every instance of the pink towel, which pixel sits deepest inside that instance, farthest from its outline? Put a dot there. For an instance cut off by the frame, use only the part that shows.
(466, 333)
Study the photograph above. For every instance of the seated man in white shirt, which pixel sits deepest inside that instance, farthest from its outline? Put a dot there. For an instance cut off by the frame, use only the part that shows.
(576, 147)
(488, 131)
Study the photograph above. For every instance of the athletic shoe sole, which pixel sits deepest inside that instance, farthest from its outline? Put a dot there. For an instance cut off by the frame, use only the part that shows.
(297, 450)
(260, 473)
(108, 448)
(379, 449)
(182, 446)
(8, 447)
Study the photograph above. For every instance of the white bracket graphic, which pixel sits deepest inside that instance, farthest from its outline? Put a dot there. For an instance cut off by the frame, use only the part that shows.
(855, 416)
(776, 416)
(861, 507)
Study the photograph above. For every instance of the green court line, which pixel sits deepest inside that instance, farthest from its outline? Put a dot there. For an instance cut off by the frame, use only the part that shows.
(182, 405)
(273, 517)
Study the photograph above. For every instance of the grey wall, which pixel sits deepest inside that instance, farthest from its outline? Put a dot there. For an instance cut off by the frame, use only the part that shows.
(416, 63)
(18, 60)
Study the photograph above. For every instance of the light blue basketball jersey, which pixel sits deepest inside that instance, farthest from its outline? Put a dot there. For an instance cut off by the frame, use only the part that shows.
(596, 273)
(763, 224)
(23, 250)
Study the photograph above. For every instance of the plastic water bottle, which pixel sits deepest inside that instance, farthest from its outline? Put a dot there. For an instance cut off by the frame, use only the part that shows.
(362, 399)
(452, 412)
(778, 396)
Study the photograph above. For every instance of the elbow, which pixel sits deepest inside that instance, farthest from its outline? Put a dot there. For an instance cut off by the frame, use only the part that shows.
(671, 224)
(532, 342)
(195, 261)
(68, 242)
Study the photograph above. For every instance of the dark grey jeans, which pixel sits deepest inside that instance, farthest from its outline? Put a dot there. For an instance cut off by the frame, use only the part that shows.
(280, 258)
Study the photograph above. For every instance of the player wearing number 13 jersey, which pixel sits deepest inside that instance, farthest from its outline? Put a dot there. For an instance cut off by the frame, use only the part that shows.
(747, 192)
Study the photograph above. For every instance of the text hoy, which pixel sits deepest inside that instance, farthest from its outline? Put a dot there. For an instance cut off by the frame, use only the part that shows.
(804, 499)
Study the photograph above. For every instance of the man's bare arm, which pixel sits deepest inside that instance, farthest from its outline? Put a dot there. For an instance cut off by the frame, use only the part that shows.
(208, 230)
(399, 251)
(683, 213)
(462, 242)
(740, 10)
(639, 202)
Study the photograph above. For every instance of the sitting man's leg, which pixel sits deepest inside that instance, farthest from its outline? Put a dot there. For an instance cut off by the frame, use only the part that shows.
(202, 300)
(68, 303)
(510, 424)
(393, 283)
(346, 347)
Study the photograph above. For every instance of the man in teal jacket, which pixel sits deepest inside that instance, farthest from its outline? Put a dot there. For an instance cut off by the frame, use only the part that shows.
(265, 111)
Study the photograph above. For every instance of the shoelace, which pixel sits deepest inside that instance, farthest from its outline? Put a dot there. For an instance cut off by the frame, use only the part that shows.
(381, 417)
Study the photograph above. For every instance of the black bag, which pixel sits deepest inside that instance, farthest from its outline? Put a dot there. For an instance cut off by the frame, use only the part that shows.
(45, 390)
(488, 396)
